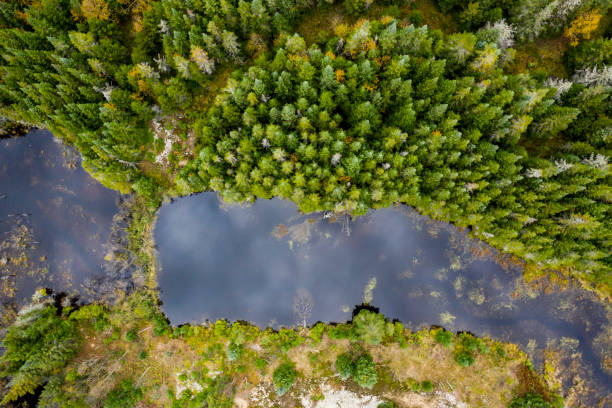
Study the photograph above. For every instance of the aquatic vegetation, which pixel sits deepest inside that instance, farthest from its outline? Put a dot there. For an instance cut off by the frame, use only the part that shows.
(18, 257)
(368, 292)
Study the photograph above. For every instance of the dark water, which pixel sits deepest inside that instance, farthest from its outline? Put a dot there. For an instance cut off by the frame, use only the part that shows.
(54, 219)
(259, 263)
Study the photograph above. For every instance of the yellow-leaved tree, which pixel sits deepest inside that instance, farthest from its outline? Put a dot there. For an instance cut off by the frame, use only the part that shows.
(97, 9)
(583, 26)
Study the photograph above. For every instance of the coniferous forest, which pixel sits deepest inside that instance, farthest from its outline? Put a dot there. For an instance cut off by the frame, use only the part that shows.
(492, 115)
(369, 114)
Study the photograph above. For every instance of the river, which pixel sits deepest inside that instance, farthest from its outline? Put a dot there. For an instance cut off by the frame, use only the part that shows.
(268, 264)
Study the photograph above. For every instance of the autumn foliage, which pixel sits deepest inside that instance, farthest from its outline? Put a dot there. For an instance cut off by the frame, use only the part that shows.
(583, 26)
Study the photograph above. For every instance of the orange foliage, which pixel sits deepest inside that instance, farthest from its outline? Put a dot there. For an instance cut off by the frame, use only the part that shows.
(380, 61)
(339, 75)
(583, 26)
(330, 55)
(369, 87)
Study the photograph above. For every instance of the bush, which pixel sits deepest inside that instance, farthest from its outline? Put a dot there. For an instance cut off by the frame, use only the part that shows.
(284, 377)
(364, 372)
(464, 358)
(316, 333)
(427, 386)
(260, 363)
(369, 326)
(340, 331)
(161, 324)
(344, 366)
(126, 395)
(234, 351)
(530, 401)
(131, 336)
(444, 338)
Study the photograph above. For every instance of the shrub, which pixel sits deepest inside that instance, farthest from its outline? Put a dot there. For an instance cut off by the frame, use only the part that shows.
(94, 313)
(234, 351)
(131, 335)
(126, 395)
(260, 363)
(444, 338)
(427, 386)
(364, 372)
(161, 324)
(464, 358)
(369, 326)
(340, 331)
(344, 366)
(530, 401)
(284, 377)
(316, 333)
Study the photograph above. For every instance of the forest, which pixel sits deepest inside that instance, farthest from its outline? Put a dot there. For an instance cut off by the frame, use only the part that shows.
(170, 97)
(494, 115)
(375, 113)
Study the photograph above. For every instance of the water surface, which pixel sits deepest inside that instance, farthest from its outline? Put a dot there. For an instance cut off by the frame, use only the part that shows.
(268, 264)
(54, 220)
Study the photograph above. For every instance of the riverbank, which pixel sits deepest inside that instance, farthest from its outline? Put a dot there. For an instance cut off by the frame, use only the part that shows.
(127, 354)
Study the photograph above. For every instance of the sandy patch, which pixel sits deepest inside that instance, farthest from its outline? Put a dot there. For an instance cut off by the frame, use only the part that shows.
(333, 398)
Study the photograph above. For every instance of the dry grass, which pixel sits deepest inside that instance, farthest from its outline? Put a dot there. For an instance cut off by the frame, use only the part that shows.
(490, 382)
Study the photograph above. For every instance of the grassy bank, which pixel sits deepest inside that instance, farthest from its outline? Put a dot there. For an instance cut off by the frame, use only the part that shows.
(128, 356)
